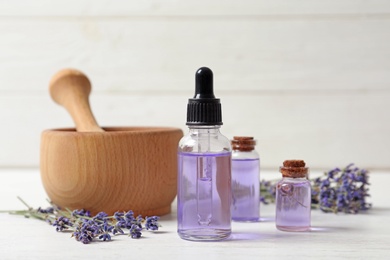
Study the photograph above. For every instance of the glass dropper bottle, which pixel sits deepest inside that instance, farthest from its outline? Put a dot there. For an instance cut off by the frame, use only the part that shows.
(204, 168)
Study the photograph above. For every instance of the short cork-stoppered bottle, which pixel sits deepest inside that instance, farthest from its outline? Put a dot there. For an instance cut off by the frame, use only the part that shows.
(204, 170)
(245, 179)
(293, 197)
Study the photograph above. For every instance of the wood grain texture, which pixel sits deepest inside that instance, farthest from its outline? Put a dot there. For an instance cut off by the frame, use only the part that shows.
(71, 88)
(326, 61)
(39, 8)
(137, 56)
(326, 130)
(120, 169)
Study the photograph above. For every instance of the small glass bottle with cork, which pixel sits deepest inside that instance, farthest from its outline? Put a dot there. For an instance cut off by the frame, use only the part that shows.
(245, 179)
(293, 197)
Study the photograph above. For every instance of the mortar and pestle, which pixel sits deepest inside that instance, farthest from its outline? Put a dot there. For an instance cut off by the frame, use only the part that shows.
(106, 169)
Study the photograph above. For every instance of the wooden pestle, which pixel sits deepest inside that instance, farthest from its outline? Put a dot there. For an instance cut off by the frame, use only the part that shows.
(71, 88)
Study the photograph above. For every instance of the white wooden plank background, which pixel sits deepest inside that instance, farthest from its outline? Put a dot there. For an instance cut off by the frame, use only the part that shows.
(308, 79)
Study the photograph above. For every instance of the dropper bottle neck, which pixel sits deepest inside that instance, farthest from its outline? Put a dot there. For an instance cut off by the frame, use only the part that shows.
(204, 129)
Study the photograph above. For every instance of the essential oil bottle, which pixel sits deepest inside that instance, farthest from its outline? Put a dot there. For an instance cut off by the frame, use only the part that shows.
(293, 197)
(245, 179)
(204, 168)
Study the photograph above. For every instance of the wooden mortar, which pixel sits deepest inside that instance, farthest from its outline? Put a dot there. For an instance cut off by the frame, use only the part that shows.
(108, 169)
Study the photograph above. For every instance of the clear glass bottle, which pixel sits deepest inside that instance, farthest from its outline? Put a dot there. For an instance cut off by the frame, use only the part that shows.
(204, 168)
(245, 179)
(293, 197)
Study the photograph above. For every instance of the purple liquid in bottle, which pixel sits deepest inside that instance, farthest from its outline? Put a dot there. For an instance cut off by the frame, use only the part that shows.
(246, 190)
(204, 168)
(293, 204)
(204, 196)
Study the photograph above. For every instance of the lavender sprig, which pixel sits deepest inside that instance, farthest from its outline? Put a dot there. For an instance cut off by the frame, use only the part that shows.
(342, 190)
(338, 190)
(86, 228)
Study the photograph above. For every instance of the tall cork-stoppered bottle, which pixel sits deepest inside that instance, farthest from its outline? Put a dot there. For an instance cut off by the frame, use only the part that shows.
(204, 168)
(245, 179)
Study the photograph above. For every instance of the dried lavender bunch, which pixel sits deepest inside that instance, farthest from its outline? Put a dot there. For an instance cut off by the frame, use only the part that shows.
(342, 190)
(86, 228)
(338, 190)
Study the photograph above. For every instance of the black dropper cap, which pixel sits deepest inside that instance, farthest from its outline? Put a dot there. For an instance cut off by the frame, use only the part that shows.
(204, 109)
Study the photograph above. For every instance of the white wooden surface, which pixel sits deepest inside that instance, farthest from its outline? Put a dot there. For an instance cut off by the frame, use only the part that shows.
(362, 236)
(309, 79)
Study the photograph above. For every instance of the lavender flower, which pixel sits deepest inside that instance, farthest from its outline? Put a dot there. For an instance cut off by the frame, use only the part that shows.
(135, 231)
(151, 223)
(86, 232)
(119, 216)
(101, 216)
(62, 223)
(48, 210)
(81, 212)
(106, 228)
(343, 190)
(129, 215)
(87, 229)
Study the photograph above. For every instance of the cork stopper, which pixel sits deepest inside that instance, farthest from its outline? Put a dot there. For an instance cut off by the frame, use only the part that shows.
(243, 143)
(294, 169)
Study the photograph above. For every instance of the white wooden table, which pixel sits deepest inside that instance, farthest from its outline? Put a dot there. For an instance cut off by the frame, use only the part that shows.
(362, 236)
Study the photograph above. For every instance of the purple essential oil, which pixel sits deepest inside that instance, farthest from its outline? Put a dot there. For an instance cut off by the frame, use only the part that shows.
(293, 197)
(245, 180)
(204, 198)
(204, 168)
